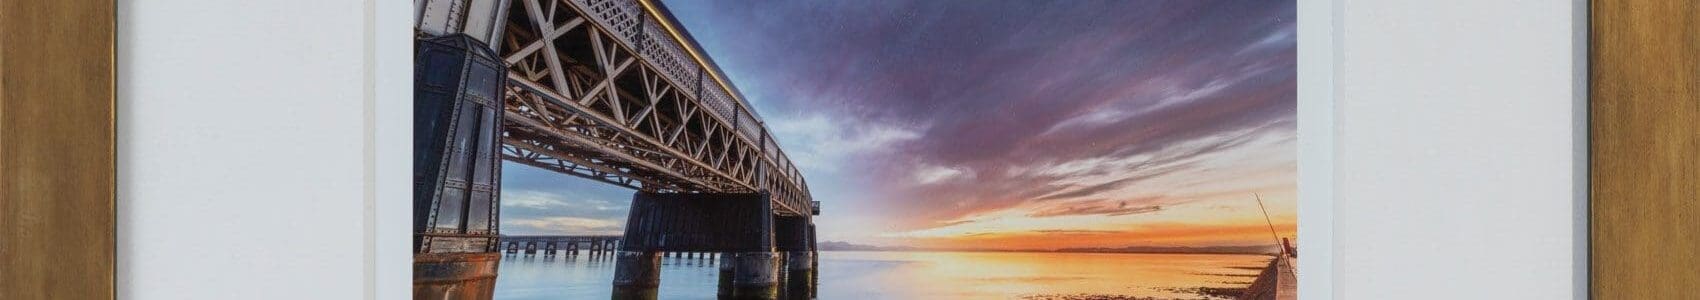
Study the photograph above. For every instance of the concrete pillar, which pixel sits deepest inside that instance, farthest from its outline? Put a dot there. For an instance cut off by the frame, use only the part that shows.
(726, 269)
(637, 274)
(513, 247)
(800, 261)
(813, 246)
(572, 248)
(753, 275)
(799, 275)
(530, 248)
(549, 248)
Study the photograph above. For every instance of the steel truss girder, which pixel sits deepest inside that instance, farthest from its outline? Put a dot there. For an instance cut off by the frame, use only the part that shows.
(586, 116)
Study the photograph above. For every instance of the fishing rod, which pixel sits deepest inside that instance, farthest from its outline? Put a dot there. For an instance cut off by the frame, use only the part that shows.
(1272, 235)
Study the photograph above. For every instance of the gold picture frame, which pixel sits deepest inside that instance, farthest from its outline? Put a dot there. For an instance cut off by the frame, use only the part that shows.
(1644, 149)
(57, 144)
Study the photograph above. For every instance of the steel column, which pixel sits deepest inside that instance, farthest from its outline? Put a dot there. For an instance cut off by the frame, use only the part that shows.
(457, 105)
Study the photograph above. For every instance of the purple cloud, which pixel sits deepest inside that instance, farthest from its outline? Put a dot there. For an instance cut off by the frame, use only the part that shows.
(921, 112)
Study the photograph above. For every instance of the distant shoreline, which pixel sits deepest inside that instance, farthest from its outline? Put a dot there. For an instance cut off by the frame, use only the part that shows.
(1221, 250)
(1047, 251)
(1248, 250)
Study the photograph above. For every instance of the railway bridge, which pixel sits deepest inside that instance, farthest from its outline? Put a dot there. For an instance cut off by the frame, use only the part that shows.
(551, 244)
(615, 91)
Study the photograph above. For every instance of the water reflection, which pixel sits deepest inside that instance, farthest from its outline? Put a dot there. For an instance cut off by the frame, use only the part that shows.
(905, 275)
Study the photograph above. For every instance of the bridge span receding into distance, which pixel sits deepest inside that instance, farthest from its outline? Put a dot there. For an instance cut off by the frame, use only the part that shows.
(572, 244)
(550, 244)
(615, 91)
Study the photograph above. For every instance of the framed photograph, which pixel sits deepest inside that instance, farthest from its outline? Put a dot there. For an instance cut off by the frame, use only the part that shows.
(893, 149)
(1014, 149)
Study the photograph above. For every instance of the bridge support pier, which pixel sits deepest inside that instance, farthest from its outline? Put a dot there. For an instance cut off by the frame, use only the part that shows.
(457, 107)
(725, 272)
(637, 274)
(750, 275)
(455, 275)
(794, 236)
(676, 225)
(799, 274)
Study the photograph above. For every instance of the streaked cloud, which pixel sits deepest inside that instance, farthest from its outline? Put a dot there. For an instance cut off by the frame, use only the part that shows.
(931, 121)
(818, 143)
(936, 174)
(1107, 208)
(538, 202)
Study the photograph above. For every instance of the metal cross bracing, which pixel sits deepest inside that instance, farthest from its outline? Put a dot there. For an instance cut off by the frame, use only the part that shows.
(612, 90)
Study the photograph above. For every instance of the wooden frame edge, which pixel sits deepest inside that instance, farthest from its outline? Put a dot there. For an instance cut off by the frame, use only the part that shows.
(1644, 149)
(58, 149)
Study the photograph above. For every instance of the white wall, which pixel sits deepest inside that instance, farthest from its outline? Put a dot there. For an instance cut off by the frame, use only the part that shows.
(1457, 172)
(244, 167)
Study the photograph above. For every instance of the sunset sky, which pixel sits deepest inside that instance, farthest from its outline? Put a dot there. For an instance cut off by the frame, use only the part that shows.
(999, 124)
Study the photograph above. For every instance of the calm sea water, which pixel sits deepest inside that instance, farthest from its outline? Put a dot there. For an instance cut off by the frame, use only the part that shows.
(912, 275)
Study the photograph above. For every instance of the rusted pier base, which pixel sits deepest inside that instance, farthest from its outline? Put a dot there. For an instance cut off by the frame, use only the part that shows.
(455, 240)
(454, 275)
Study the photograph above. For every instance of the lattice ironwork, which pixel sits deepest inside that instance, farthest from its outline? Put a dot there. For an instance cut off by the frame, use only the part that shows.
(603, 89)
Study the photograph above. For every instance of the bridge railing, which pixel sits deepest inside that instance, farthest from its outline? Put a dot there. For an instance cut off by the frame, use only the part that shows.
(674, 63)
(620, 16)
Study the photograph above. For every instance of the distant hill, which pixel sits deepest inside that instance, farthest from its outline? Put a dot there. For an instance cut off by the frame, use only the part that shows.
(847, 246)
